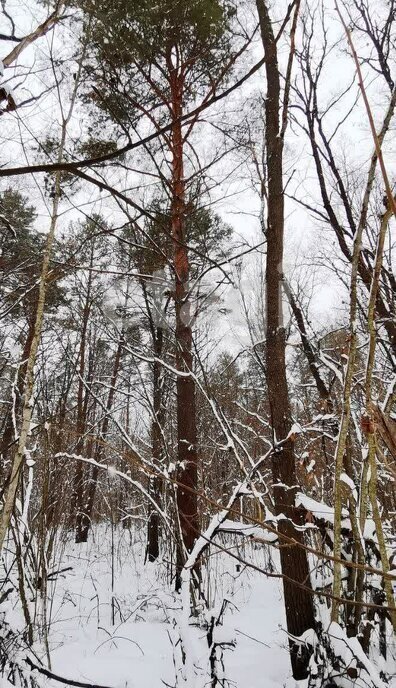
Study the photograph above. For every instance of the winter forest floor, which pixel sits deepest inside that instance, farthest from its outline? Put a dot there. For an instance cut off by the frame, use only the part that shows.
(129, 642)
(113, 619)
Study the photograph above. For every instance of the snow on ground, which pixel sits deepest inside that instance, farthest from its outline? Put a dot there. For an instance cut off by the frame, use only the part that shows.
(136, 651)
(112, 618)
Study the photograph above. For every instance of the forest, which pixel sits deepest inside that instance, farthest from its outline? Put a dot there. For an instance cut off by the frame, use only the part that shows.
(197, 344)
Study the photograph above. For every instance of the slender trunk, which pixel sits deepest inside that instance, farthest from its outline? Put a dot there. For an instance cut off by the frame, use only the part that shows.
(355, 580)
(27, 402)
(85, 520)
(27, 405)
(80, 475)
(345, 422)
(294, 563)
(157, 440)
(371, 436)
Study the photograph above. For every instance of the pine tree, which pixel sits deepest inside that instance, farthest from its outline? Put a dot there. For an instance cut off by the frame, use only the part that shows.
(152, 60)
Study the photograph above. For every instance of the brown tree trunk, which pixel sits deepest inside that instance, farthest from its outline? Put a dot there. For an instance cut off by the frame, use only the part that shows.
(298, 602)
(157, 440)
(79, 482)
(187, 502)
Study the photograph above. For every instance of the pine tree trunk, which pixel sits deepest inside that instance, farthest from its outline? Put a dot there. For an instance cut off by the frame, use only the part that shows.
(187, 475)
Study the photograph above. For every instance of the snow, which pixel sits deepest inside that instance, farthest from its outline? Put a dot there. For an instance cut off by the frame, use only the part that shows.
(318, 509)
(348, 481)
(137, 650)
(247, 530)
(352, 655)
(118, 622)
(311, 466)
(296, 429)
(322, 511)
(369, 529)
(112, 471)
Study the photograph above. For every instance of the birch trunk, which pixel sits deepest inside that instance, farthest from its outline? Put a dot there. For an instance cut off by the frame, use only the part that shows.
(27, 402)
(27, 405)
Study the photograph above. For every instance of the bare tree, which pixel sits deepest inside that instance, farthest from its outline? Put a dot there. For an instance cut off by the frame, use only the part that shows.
(298, 603)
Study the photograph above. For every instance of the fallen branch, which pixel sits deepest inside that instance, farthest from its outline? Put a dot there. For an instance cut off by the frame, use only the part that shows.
(60, 679)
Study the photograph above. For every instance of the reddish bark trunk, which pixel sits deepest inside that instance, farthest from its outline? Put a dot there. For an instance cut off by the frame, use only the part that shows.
(187, 476)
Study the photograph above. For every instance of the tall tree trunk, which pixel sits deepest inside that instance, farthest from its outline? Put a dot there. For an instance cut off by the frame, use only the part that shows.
(294, 563)
(371, 430)
(187, 474)
(80, 475)
(157, 453)
(28, 387)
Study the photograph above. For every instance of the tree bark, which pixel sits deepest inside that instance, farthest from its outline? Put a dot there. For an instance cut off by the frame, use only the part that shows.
(153, 526)
(14, 412)
(187, 474)
(298, 602)
(80, 475)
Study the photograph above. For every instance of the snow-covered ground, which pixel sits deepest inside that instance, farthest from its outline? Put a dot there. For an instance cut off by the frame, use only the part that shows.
(113, 620)
(129, 642)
